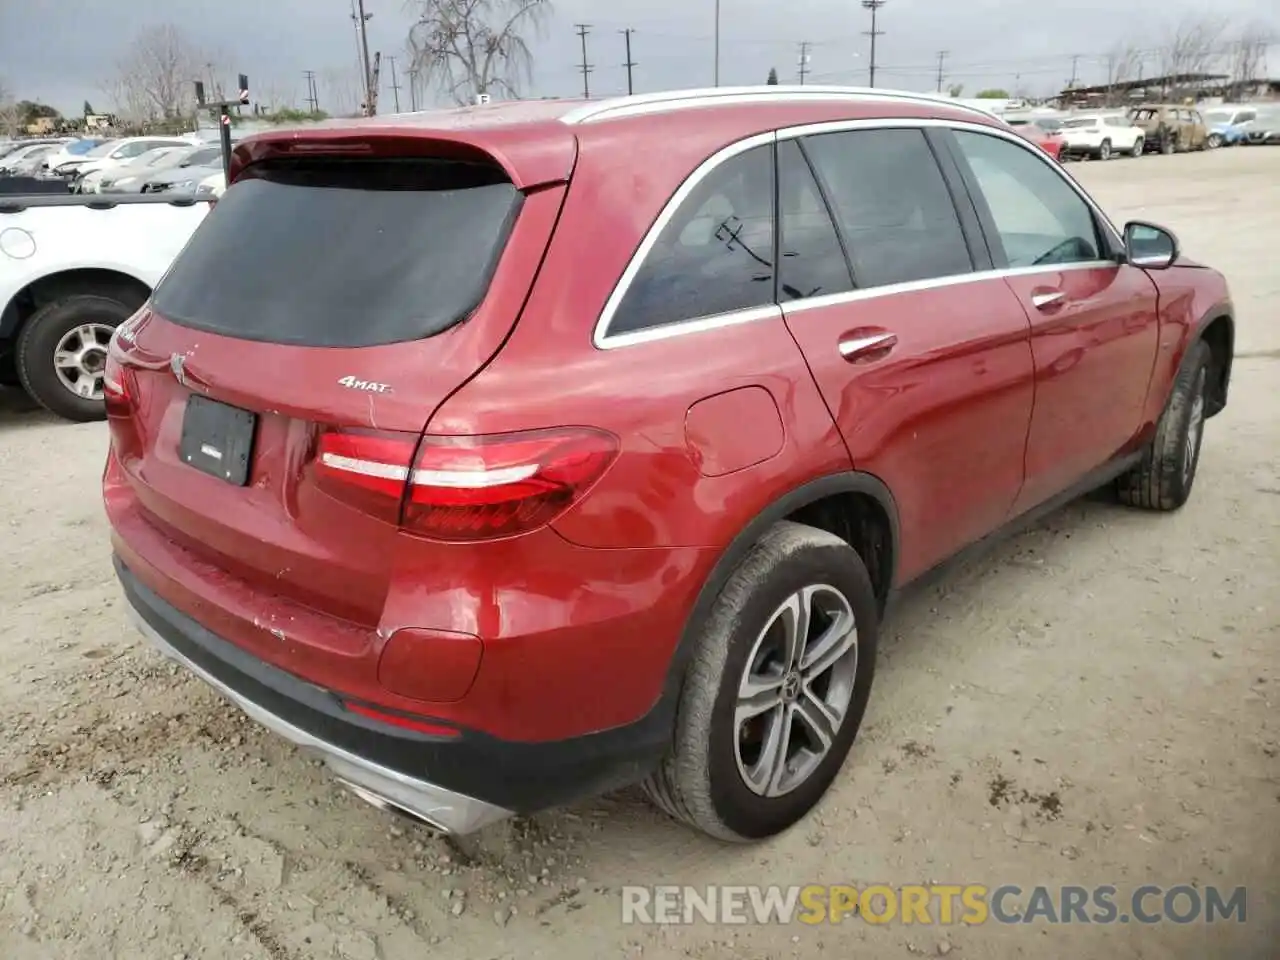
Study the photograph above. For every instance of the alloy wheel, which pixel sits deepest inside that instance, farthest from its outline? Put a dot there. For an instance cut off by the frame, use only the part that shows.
(80, 359)
(795, 690)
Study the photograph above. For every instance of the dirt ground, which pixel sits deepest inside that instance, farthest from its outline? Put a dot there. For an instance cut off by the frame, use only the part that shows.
(1094, 702)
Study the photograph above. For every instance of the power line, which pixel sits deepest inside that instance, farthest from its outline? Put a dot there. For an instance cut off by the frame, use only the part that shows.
(942, 59)
(873, 6)
(630, 63)
(804, 60)
(586, 68)
(395, 84)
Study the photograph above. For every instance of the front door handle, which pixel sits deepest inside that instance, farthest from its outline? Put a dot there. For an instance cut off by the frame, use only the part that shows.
(860, 345)
(1043, 299)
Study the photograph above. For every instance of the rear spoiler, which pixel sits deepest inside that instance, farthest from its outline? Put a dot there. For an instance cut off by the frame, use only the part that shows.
(531, 154)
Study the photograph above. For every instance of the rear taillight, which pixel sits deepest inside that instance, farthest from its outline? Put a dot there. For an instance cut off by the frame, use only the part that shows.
(116, 392)
(464, 488)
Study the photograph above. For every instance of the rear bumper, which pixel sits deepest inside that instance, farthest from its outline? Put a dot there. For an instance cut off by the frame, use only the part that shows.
(457, 784)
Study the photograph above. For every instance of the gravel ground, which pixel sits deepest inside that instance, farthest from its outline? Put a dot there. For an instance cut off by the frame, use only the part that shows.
(1094, 702)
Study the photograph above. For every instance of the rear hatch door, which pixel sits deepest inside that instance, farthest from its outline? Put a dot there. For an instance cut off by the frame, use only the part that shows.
(346, 292)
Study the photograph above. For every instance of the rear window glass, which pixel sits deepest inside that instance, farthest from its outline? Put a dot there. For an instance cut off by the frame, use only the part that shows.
(343, 253)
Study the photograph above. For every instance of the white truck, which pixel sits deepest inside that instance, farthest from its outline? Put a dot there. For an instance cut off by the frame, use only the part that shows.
(72, 269)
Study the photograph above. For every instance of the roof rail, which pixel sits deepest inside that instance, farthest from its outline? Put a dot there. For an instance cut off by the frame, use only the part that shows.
(618, 107)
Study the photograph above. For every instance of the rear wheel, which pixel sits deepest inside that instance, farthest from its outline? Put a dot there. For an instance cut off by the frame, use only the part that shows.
(775, 690)
(1169, 145)
(61, 352)
(1162, 480)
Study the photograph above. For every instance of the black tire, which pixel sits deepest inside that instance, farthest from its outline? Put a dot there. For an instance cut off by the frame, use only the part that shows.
(1169, 146)
(1167, 472)
(1139, 146)
(1104, 151)
(699, 782)
(39, 338)
(1213, 141)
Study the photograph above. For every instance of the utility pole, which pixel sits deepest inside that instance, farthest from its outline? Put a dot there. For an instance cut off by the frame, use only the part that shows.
(395, 84)
(362, 53)
(311, 90)
(1075, 64)
(873, 6)
(413, 89)
(942, 59)
(630, 63)
(583, 29)
(804, 60)
(716, 68)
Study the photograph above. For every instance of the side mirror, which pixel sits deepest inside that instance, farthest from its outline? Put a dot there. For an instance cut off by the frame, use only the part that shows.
(1149, 246)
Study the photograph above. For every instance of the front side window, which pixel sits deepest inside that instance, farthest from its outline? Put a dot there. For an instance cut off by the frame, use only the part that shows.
(714, 256)
(1039, 218)
(892, 205)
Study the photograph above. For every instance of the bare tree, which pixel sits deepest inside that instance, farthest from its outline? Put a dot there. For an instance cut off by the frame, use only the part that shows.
(1122, 62)
(1250, 54)
(471, 47)
(155, 78)
(1193, 46)
(340, 94)
(10, 113)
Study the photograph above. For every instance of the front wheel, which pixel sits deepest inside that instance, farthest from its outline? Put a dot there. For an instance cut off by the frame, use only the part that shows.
(1138, 146)
(1162, 480)
(1104, 151)
(1169, 146)
(1214, 141)
(775, 690)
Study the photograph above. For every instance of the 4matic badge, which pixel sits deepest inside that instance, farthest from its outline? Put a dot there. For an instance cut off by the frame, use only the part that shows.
(369, 386)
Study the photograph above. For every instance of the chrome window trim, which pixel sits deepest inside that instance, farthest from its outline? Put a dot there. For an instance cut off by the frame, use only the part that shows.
(677, 199)
(670, 100)
(601, 338)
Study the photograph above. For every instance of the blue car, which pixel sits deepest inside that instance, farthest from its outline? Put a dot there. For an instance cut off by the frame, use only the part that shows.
(1229, 126)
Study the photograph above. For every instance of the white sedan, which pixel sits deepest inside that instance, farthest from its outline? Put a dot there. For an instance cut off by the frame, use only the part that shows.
(1101, 136)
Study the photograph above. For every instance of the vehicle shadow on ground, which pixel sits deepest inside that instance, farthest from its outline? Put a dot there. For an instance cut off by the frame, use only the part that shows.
(909, 641)
(19, 411)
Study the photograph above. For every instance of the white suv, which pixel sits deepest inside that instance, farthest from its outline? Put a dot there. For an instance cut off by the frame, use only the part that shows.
(1101, 136)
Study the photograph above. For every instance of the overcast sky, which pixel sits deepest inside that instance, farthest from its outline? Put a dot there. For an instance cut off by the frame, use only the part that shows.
(62, 51)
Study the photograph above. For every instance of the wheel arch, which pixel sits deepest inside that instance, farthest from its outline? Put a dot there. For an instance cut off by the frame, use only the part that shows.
(1218, 329)
(834, 502)
(45, 289)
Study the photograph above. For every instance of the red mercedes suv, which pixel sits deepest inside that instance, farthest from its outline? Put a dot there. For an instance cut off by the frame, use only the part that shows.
(512, 454)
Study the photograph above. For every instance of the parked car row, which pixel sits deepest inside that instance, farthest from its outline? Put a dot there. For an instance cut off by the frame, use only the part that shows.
(1149, 128)
(179, 165)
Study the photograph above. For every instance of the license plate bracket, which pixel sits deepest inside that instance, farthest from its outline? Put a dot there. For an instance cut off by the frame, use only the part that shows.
(217, 439)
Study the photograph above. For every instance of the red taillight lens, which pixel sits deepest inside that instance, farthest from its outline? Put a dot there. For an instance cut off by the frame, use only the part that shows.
(463, 488)
(365, 469)
(116, 389)
(480, 488)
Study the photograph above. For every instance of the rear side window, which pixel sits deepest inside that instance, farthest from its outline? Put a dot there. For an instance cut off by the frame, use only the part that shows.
(811, 264)
(343, 253)
(892, 204)
(714, 256)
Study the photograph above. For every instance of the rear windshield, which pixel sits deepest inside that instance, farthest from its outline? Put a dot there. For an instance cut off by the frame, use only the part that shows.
(346, 253)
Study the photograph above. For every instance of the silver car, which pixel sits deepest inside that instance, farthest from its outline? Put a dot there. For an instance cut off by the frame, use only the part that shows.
(174, 167)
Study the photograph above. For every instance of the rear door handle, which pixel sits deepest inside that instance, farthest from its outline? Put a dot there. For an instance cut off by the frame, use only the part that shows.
(862, 344)
(1043, 299)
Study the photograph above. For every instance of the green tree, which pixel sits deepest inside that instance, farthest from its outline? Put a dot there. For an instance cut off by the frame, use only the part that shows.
(995, 93)
(956, 89)
(31, 111)
(88, 109)
(773, 77)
